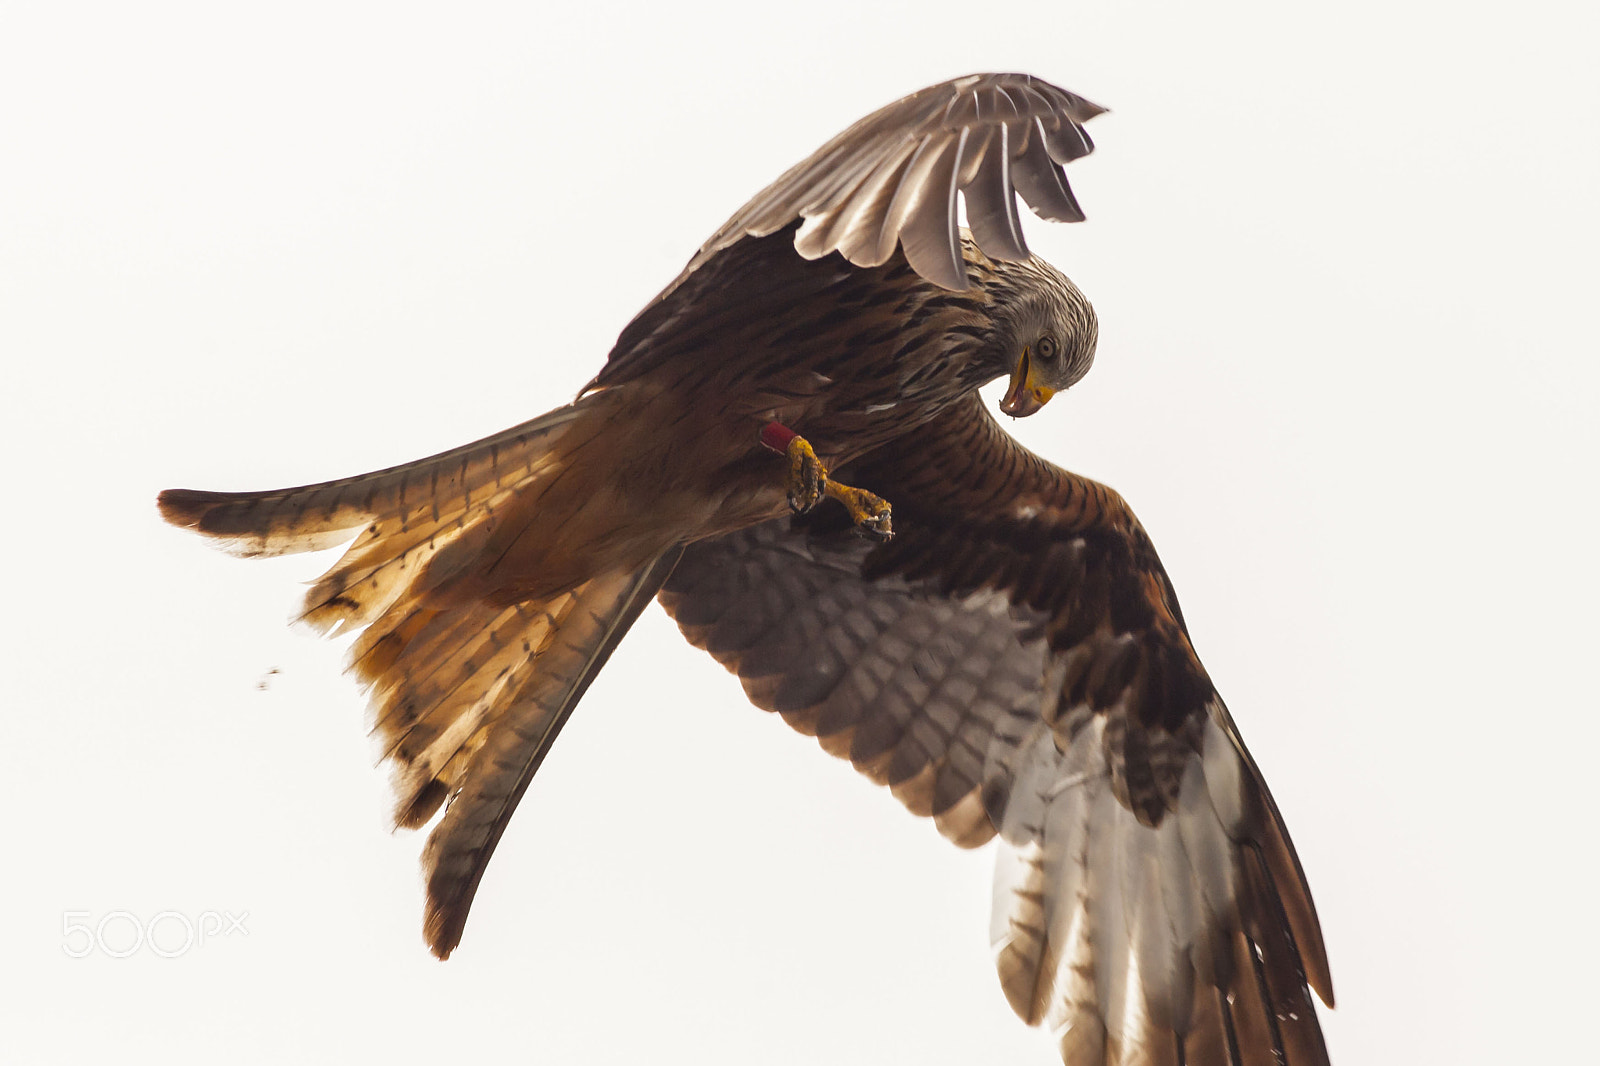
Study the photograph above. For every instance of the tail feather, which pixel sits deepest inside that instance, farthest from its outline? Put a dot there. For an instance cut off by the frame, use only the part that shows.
(400, 517)
(382, 566)
(437, 691)
(538, 699)
(466, 698)
(313, 517)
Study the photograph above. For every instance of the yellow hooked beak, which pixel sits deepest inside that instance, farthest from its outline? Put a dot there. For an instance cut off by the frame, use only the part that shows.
(1024, 394)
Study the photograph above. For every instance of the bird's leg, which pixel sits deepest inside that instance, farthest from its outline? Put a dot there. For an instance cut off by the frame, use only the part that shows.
(809, 482)
(807, 475)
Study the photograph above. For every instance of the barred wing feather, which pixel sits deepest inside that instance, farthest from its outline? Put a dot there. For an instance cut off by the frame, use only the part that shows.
(1014, 664)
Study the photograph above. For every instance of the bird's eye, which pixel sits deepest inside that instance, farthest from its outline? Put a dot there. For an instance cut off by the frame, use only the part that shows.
(1046, 348)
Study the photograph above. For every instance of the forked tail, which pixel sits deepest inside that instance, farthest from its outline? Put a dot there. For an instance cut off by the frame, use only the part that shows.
(467, 699)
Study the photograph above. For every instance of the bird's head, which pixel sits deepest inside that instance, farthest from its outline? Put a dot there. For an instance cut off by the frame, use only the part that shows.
(1048, 335)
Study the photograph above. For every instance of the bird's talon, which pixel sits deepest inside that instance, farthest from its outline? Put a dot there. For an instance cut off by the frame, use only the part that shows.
(875, 531)
(871, 513)
(808, 483)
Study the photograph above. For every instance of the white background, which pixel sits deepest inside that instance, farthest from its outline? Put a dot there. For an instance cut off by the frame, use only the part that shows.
(1344, 258)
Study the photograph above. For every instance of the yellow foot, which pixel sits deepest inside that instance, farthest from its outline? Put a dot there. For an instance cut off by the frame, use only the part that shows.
(808, 478)
(870, 513)
(809, 482)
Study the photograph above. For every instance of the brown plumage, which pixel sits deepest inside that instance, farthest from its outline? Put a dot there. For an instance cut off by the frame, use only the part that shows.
(1012, 663)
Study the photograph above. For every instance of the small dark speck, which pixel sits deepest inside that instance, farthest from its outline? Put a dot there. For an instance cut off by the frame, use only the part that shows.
(266, 679)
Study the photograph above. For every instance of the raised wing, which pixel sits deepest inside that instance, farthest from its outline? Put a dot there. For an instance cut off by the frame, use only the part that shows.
(894, 176)
(1014, 662)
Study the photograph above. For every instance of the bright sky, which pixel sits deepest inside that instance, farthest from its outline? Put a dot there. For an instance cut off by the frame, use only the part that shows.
(1344, 261)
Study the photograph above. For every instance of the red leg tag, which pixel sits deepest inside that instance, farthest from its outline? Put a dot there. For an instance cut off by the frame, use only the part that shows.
(776, 435)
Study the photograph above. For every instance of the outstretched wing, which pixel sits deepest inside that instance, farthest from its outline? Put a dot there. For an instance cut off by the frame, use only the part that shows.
(1014, 662)
(894, 176)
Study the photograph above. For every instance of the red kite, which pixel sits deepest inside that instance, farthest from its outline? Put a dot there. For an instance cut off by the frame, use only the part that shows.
(788, 448)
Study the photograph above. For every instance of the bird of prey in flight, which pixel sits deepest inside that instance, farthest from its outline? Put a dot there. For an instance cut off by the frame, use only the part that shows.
(787, 448)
